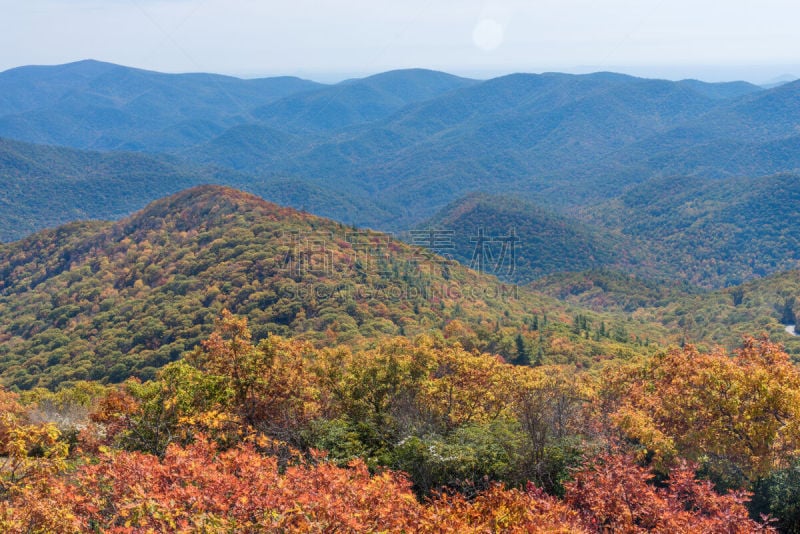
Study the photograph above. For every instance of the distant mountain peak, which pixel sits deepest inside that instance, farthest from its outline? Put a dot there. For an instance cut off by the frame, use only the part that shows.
(205, 206)
(80, 65)
(413, 73)
(83, 63)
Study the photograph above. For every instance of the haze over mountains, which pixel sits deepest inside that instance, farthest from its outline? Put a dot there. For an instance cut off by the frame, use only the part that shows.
(392, 150)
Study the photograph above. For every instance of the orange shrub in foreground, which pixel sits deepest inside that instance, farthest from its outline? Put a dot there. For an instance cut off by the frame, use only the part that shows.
(201, 489)
(198, 488)
(613, 494)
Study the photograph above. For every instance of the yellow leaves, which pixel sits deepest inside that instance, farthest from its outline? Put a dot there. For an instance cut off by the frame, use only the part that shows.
(744, 408)
(214, 422)
(228, 387)
(263, 441)
(638, 426)
(466, 388)
(28, 452)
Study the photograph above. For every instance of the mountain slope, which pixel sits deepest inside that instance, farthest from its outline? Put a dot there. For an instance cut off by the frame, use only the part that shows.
(103, 106)
(706, 318)
(106, 300)
(520, 133)
(763, 116)
(608, 289)
(43, 186)
(724, 316)
(712, 233)
(544, 242)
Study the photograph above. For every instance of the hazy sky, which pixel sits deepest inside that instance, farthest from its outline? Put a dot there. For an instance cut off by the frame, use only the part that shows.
(327, 40)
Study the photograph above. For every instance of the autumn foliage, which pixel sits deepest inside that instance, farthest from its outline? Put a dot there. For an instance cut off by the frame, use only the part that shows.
(199, 488)
(28, 451)
(405, 436)
(738, 414)
(614, 494)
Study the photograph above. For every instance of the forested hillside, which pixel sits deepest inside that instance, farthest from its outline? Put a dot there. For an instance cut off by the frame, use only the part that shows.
(712, 233)
(481, 301)
(43, 186)
(706, 318)
(105, 300)
(722, 317)
(517, 240)
(413, 140)
(609, 289)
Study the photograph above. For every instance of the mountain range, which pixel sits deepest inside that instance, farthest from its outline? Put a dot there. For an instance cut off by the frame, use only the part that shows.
(605, 156)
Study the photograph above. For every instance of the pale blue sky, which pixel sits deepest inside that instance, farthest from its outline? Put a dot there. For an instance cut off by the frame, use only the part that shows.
(326, 40)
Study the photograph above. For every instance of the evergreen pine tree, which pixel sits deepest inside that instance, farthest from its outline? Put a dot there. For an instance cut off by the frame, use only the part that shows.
(522, 356)
(539, 359)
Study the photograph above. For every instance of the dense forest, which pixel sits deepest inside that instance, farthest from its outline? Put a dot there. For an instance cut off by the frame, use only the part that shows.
(764, 307)
(104, 301)
(540, 303)
(416, 435)
(217, 362)
(517, 240)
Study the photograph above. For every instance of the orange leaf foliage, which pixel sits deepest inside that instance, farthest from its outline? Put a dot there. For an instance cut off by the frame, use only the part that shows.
(614, 494)
(198, 488)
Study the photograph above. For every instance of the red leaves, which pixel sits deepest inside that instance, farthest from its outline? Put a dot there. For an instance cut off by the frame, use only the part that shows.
(614, 494)
(501, 510)
(199, 488)
(265, 395)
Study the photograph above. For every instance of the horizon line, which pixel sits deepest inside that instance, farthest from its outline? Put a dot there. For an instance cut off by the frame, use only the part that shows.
(479, 74)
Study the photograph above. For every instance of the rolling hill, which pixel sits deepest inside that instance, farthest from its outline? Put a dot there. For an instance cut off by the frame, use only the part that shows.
(516, 133)
(712, 233)
(720, 317)
(105, 300)
(609, 289)
(43, 186)
(543, 242)
(358, 101)
(723, 317)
